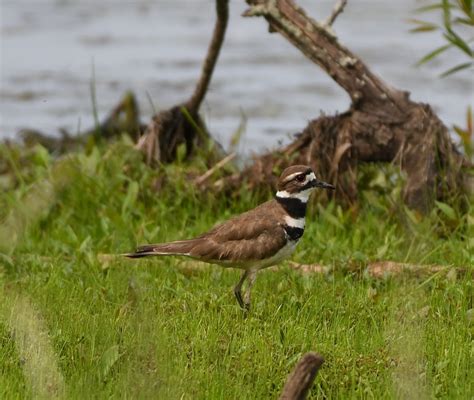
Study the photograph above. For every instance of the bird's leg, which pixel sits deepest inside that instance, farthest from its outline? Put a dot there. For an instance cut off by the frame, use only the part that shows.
(250, 280)
(238, 289)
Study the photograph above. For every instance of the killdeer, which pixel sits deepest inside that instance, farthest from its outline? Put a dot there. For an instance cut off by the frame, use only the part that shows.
(256, 239)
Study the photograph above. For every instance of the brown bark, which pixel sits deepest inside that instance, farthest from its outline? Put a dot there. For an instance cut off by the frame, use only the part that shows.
(301, 379)
(182, 124)
(382, 124)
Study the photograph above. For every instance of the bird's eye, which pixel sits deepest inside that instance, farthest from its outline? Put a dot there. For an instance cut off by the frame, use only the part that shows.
(301, 178)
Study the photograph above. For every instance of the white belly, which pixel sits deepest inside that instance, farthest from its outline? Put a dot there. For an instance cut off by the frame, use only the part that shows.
(281, 255)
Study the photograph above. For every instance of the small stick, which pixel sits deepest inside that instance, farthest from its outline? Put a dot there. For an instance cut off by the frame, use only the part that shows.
(338, 8)
(300, 380)
(200, 179)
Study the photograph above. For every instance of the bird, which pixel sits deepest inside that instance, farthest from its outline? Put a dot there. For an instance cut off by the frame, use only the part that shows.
(255, 239)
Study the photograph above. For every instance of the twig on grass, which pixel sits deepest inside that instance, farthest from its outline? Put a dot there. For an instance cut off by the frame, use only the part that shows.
(201, 179)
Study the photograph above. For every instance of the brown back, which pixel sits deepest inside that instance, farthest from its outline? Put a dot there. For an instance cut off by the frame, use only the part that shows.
(253, 235)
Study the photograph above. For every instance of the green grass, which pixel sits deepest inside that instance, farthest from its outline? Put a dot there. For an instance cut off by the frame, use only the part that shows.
(163, 328)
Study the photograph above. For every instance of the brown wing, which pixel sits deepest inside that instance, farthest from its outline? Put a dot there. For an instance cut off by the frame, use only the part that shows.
(253, 235)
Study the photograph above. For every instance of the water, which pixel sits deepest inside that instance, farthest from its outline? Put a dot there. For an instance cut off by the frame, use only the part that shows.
(50, 50)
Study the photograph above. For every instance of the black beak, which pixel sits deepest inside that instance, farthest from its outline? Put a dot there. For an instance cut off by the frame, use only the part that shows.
(323, 185)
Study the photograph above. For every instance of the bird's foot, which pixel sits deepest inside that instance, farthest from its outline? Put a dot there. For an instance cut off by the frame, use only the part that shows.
(244, 305)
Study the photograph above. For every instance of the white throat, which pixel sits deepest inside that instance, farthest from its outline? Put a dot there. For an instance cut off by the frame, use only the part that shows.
(303, 195)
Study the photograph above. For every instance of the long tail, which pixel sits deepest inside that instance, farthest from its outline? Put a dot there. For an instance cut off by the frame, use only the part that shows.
(178, 248)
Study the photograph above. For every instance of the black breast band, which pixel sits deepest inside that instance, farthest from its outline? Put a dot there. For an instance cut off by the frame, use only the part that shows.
(294, 233)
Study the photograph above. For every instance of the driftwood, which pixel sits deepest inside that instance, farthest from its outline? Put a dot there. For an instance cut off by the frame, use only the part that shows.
(182, 123)
(301, 379)
(382, 124)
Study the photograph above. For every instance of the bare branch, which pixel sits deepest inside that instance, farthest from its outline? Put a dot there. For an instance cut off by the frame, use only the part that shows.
(222, 11)
(318, 42)
(338, 8)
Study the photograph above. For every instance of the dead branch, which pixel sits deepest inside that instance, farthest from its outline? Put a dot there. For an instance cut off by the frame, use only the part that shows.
(382, 124)
(182, 123)
(222, 9)
(301, 379)
(320, 46)
(338, 8)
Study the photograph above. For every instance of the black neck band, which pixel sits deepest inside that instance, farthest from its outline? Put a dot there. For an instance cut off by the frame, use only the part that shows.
(294, 207)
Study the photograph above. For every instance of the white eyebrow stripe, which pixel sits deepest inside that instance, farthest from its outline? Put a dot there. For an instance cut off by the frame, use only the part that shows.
(290, 177)
(295, 222)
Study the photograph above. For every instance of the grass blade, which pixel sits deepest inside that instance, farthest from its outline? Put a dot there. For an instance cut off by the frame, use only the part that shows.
(433, 54)
(456, 69)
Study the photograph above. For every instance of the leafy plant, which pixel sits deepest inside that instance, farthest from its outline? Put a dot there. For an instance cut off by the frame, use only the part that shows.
(455, 15)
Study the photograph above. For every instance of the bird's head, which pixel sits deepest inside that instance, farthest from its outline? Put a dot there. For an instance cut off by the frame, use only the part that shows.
(298, 181)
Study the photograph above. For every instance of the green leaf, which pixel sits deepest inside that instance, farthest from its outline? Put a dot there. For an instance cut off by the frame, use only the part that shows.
(84, 245)
(446, 14)
(430, 7)
(6, 260)
(131, 197)
(382, 251)
(433, 54)
(359, 256)
(412, 215)
(456, 69)
(419, 22)
(180, 153)
(332, 220)
(466, 7)
(424, 28)
(41, 156)
(464, 21)
(446, 210)
(460, 131)
(455, 39)
(203, 135)
(108, 360)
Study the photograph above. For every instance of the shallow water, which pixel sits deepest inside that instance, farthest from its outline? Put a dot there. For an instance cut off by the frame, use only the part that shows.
(50, 50)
